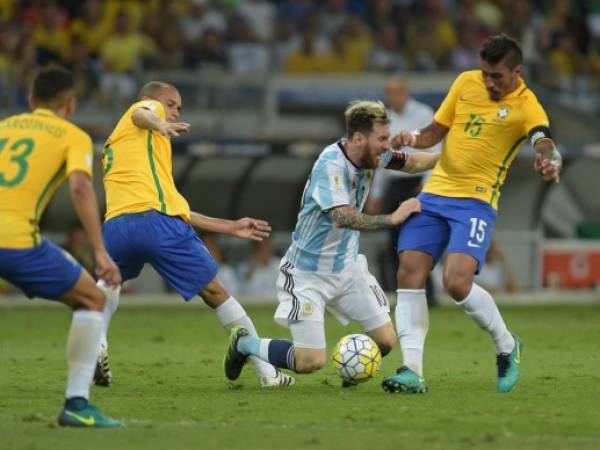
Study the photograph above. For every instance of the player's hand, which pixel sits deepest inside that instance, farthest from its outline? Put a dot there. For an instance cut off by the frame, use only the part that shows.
(406, 208)
(403, 139)
(173, 129)
(106, 269)
(253, 229)
(549, 170)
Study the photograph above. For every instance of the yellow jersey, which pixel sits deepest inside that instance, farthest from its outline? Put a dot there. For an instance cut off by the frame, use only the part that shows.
(138, 168)
(38, 151)
(484, 138)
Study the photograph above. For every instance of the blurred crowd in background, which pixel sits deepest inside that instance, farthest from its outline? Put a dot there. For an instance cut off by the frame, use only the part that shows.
(108, 43)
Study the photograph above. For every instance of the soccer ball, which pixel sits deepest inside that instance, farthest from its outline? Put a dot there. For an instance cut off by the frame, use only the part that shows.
(356, 358)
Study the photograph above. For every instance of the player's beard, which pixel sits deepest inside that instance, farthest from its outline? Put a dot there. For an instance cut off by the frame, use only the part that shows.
(370, 159)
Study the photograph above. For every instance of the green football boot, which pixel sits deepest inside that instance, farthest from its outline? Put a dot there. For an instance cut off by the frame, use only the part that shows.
(509, 367)
(405, 381)
(86, 415)
(234, 360)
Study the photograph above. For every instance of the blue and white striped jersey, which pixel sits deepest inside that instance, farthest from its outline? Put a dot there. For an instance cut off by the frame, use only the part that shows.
(317, 244)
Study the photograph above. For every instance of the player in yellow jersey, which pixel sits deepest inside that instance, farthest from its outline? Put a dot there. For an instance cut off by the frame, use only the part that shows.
(38, 151)
(149, 221)
(485, 117)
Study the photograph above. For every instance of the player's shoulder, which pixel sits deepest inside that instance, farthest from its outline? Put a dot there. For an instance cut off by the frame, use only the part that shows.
(525, 94)
(149, 104)
(469, 76)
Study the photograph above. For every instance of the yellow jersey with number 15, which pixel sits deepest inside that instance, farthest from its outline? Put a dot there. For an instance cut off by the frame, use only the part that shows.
(37, 151)
(138, 169)
(484, 138)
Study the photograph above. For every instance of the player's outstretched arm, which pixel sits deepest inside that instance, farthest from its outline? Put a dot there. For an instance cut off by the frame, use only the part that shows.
(86, 204)
(548, 161)
(147, 120)
(420, 162)
(347, 217)
(426, 137)
(247, 228)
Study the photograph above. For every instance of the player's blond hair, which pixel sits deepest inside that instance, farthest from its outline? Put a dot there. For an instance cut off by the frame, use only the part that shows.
(362, 115)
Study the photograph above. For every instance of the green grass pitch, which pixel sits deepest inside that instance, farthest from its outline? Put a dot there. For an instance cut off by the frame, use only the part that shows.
(170, 389)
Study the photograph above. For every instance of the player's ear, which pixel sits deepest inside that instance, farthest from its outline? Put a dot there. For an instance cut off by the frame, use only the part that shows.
(517, 70)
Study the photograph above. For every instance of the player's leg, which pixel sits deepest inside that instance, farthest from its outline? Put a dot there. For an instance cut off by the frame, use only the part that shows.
(306, 353)
(125, 238)
(472, 227)
(232, 314)
(87, 302)
(480, 306)
(301, 308)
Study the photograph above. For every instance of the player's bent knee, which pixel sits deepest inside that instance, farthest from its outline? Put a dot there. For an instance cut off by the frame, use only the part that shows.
(214, 294)
(458, 288)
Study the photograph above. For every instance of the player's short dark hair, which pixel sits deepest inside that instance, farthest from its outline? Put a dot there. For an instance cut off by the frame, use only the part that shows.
(362, 115)
(51, 84)
(502, 47)
(152, 89)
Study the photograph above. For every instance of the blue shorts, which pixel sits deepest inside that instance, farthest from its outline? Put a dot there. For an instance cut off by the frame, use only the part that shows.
(462, 225)
(167, 243)
(44, 271)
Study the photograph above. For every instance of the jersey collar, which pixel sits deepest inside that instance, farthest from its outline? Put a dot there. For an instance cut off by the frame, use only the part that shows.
(44, 112)
(342, 145)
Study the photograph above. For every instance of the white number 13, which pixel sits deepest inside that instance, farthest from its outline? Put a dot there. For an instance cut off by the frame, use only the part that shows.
(477, 229)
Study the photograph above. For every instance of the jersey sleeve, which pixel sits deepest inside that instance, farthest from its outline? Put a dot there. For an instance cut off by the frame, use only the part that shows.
(151, 105)
(445, 113)
(535, 116)
(331, 185)
(80, 153)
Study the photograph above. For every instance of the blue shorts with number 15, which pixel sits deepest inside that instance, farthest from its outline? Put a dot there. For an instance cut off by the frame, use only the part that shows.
(460, 225)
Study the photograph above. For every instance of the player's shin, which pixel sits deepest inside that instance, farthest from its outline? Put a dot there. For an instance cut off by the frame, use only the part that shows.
(82, 351)
(412, 323)
(278, 352)
(110, 307)
(480, 306)
(230, 314)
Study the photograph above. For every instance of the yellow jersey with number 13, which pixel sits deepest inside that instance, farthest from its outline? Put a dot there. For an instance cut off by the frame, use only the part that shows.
(484, 138)
(37, 151)
(138, 169)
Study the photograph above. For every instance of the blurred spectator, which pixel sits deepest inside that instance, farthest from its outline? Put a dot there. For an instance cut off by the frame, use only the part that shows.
(260, 272)
(78, 246)
(91, 27)
(123, 53)
(246, 55)
(466, 55)
(496, 275)
(387, 56)
(226, 274)
(201, 17)
(50, 35)
(259, 15)
(391, 187)
(332, 15)
(168, 41)
(207, 52)
(84, 71)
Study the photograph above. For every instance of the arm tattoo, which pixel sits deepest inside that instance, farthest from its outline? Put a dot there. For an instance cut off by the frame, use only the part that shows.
(347, 217)
(430, 135)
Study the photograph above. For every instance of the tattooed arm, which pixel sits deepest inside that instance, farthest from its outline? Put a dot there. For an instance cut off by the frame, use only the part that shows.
(347, 217)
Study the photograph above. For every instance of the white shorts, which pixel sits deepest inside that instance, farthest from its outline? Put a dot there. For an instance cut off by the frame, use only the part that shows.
(351, 295)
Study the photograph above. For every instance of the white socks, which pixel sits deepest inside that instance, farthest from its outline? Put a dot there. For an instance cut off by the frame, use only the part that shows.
(412, 323)
(111, 305)
(82, 351)
(480, 305)
(230, 314)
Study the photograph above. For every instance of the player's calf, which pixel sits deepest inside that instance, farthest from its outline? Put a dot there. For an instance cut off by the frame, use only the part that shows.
(310, 360)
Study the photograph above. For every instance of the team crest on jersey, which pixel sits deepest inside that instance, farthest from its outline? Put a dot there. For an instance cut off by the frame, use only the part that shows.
(503, 112)
(307, 308)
